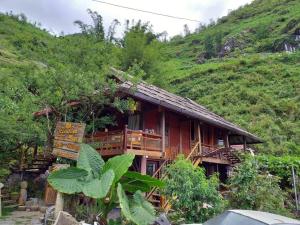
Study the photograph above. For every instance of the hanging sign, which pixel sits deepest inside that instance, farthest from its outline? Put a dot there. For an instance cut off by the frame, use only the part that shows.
(67, 139)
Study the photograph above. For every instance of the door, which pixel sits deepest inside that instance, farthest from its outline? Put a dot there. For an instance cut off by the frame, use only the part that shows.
(152, 167)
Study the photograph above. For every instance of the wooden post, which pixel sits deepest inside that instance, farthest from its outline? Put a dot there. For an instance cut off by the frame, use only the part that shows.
(143, 165)
(199, 138)
(163, 130)
(245, 143)
(180, 138)
(227, 144)
(125, 138)
(212, 138)
(1, 186)
(59, 204)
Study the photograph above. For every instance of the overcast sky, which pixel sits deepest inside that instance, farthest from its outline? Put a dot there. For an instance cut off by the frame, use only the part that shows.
(59, 15)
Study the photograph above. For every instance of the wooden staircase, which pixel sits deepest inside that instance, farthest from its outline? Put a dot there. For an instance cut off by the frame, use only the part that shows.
(7, 201)
(154, 196)
(225, 153)
(38, 165)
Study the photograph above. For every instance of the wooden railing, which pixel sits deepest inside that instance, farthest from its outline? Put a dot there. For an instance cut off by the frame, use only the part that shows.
(137, 141)
(140, 140)
(194, 152)
(111, 140)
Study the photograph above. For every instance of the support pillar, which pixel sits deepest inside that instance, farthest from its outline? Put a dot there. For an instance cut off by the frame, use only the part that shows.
(163, 130)
(59, 203)
(245, 143)
(144, 165)
(199, 138)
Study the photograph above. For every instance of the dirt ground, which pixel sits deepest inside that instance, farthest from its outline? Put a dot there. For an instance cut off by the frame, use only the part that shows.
(21, 218)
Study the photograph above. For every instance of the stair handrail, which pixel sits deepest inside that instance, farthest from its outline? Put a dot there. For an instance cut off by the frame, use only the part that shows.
(165, 175)
(193, 150)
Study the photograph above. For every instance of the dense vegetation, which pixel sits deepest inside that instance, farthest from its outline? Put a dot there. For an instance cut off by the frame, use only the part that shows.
(193, 196)
(236, 67)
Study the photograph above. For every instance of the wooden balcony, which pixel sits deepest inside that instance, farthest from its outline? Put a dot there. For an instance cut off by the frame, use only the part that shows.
(125, 141)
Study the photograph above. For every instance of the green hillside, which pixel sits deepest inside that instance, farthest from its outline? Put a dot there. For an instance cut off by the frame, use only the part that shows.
(236, 67)
(254, 84)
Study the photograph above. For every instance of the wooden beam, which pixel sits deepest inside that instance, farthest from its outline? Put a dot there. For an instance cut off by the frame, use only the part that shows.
(216, 160)
(180, 138)
(143, 165)
(212, 136)
(156, 154)
(163, 130)
(199, 138)
(245, 143)
(226, 140)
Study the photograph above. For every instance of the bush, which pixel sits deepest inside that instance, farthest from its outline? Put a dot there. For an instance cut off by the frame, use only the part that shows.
(255, 190)
(194, 197)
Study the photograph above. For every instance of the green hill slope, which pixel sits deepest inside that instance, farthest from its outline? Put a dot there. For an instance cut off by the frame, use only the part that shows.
(238, 69)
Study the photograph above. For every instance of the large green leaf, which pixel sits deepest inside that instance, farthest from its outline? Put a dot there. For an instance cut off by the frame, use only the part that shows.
(150, 181)
(90, 160)
(142, 212)
(124, 203)
(119, 164)
(134, 185)
(99, 188)
(137, 210)
(66, 180)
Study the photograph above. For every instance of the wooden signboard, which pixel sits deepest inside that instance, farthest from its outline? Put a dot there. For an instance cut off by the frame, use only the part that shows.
(67, 139)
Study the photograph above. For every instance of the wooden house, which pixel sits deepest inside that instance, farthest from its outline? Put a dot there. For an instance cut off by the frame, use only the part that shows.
(164, 125)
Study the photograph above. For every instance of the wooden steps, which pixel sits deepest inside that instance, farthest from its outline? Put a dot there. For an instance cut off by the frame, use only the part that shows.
(154, 196)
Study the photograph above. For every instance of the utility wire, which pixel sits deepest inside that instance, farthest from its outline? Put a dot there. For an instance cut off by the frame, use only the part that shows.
(146, 11)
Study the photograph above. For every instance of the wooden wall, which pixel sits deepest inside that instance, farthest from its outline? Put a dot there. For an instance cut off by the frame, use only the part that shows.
(151, 120)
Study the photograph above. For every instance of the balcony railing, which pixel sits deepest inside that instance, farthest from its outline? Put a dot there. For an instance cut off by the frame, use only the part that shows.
(121, 141)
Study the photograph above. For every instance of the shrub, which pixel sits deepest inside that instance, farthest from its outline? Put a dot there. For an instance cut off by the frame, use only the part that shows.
(194, 197)
(255, 190)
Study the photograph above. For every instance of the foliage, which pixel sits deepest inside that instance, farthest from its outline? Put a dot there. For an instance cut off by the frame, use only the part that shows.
(192, 195)
(99, 180)
(253, 189)
(3, 174)
(251, 85)
(141, 46)
(280, 166)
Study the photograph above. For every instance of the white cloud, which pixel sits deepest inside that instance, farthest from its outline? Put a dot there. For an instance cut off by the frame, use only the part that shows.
(59, 15)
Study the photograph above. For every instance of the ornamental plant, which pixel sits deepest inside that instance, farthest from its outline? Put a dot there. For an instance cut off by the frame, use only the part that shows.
(107, 182)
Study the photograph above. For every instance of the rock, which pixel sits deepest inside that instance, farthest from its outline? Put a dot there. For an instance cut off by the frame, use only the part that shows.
(201, 58)
(24, 184)
(22, 208)
(43, 209)
(23, 197)
(195, 42)
(114, 214)
(162, 220)
(65, 218)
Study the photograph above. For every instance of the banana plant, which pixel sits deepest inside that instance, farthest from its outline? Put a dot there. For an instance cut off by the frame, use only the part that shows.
(107, 182)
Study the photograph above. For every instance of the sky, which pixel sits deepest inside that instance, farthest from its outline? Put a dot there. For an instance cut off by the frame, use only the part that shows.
(58, 15)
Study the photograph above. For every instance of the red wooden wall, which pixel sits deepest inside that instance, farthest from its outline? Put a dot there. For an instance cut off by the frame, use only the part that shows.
(151, 120)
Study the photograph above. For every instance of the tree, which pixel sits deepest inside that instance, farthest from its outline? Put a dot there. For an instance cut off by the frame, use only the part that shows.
(186, 30)
(96, 30)
(140, 46)
(107, 182)
(209, 47)
(193, 196)
(253, 189)
(112, 31)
